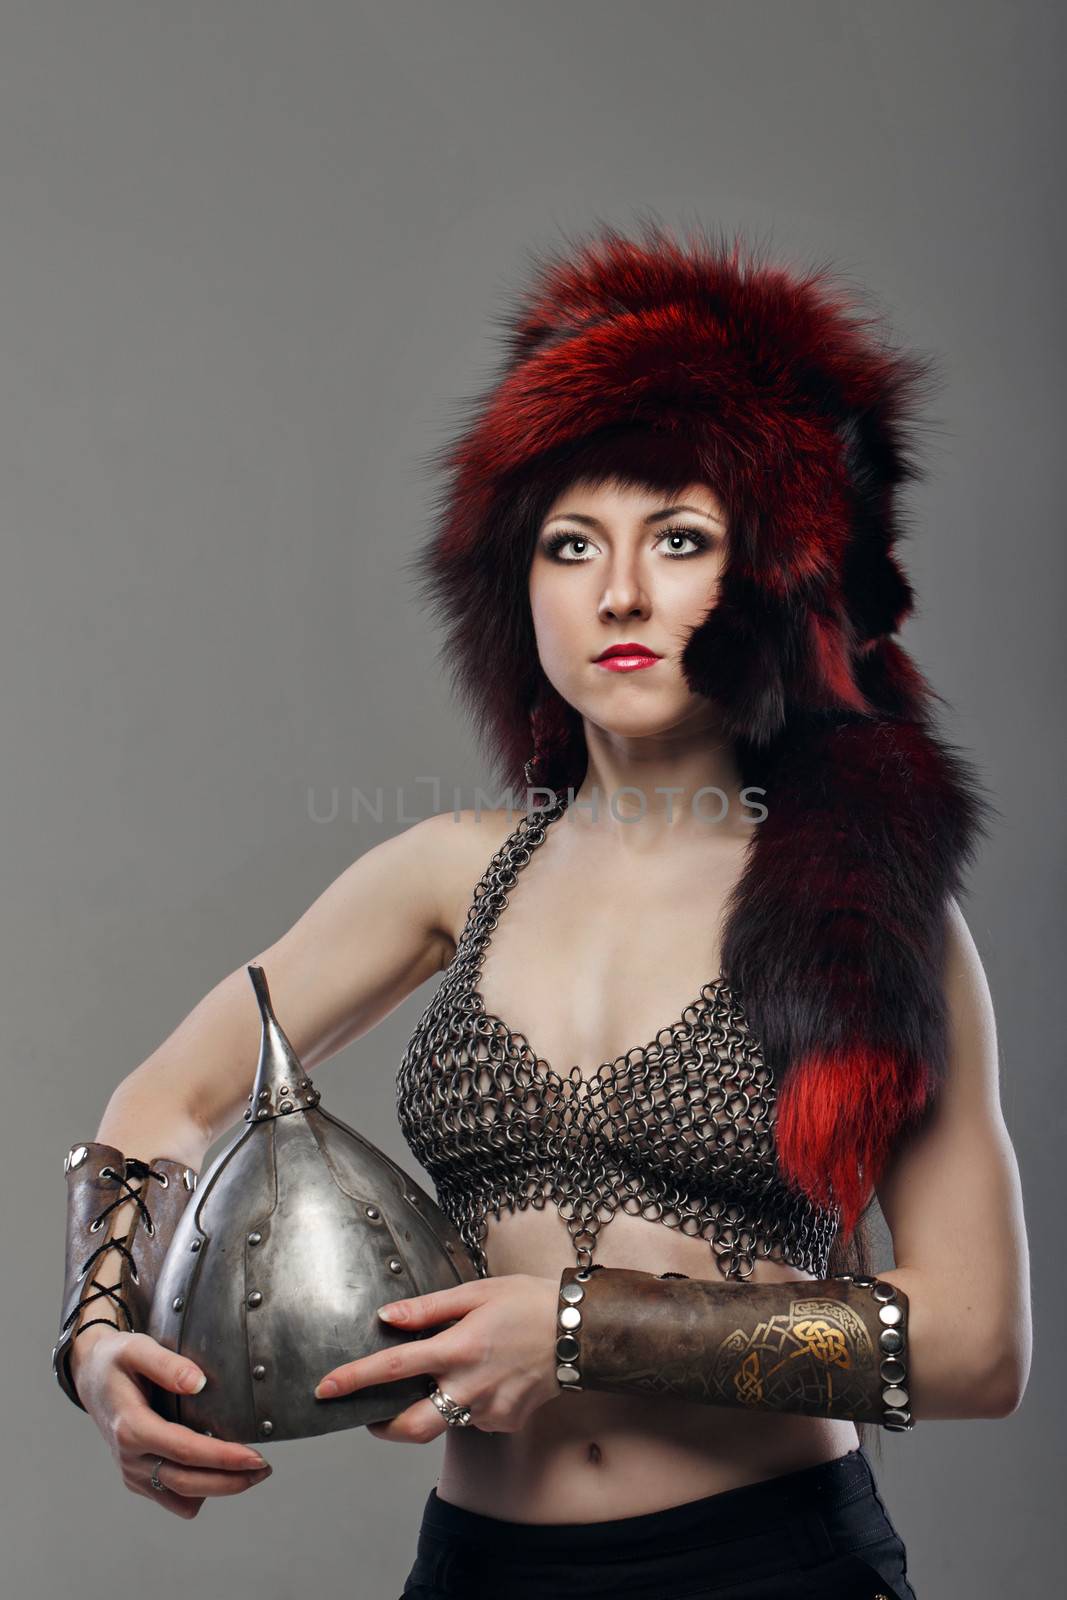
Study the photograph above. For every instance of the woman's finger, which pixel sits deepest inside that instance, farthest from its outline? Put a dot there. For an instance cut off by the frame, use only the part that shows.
(166, 1499)
(195, 1482)
(389, 1365)
(424, 1310)
(419, 1424)
(139, 1352)
(155, 1437)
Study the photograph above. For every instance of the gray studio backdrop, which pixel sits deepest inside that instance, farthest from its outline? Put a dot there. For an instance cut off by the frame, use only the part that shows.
(249, 256)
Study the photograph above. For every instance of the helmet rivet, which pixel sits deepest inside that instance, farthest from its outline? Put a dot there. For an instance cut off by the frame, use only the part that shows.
(266, 1429)
(195, 1246)
(255, 1237)
(395, 1265)
(259, 1372)
(255, 1298)
(177, 1303)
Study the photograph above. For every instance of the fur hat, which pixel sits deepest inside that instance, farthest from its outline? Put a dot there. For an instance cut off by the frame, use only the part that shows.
(662, 361)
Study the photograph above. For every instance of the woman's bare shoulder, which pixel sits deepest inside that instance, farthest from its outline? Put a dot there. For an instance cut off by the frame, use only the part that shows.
(456, 847)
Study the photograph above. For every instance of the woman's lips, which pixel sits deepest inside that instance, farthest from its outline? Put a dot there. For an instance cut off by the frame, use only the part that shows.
(626, 663)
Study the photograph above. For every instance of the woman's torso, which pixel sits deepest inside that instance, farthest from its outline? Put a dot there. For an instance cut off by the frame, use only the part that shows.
(597, 950)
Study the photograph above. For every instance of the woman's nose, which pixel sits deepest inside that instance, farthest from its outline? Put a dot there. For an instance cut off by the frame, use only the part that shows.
(623, 596)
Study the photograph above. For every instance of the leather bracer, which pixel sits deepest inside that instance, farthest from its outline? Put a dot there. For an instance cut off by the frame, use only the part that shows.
(100, 1181)
(831, 1347)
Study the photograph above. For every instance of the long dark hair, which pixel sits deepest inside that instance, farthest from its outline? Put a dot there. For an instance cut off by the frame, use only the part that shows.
(525, 716)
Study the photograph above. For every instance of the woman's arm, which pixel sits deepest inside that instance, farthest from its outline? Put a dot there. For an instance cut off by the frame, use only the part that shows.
(376, 933)
(953, 1204)
(952, 1200)
(372, 937)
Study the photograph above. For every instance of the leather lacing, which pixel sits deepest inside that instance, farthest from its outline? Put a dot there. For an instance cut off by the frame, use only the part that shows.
(133, 1169)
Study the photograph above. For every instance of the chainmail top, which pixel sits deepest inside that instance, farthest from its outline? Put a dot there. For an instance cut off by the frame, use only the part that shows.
(679, 1131)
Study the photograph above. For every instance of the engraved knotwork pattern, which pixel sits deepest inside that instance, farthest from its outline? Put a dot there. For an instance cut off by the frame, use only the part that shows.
(679, 1131)
(816, 1355)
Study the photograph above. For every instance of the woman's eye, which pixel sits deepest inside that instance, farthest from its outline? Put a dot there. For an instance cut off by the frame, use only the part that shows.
(555, 543)
(670, 535)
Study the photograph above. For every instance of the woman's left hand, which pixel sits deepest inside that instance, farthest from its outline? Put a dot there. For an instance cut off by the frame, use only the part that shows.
(499, 1359)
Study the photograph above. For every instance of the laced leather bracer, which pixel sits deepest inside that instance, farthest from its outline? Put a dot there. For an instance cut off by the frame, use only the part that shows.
(100, 1181)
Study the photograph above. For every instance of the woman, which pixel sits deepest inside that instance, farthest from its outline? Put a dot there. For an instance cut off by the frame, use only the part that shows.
(691, 455)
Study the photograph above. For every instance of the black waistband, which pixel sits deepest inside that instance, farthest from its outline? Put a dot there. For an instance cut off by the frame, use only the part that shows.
(727, 1515)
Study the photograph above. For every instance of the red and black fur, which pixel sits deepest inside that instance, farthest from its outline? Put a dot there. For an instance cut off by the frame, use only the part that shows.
(661, 362)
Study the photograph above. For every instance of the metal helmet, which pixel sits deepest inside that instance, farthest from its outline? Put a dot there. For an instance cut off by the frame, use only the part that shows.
(295, 1235)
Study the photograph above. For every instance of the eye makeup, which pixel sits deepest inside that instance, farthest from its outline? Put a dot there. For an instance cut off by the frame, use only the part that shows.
(555, 542)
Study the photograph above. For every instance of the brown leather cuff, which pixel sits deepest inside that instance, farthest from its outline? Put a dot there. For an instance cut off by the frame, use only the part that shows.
(833, 1347)
(100, 1181)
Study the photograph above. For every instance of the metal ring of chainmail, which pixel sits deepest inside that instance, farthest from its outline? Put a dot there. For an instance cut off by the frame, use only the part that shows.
(678, 1131)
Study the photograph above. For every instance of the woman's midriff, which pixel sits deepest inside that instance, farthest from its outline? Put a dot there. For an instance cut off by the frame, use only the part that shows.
(590, 1457)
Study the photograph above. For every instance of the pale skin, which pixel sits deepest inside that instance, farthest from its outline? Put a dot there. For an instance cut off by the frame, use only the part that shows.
(631, 947)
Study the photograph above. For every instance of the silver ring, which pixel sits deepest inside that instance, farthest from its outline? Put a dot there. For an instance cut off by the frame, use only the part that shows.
(455, 1415)
(155, 1474)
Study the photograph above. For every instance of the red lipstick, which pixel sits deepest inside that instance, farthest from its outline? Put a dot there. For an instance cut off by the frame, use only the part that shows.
(627, 657)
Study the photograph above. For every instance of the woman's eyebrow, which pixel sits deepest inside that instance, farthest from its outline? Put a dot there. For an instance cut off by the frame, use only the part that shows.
(655, 516)
(658, 516)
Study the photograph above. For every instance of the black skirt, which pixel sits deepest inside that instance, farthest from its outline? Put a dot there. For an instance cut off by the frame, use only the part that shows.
(820, 1532)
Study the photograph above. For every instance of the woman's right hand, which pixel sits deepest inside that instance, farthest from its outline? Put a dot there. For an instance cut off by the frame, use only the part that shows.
(111, 1371)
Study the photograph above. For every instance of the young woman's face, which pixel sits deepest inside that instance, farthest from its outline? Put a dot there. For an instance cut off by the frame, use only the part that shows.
(615, 566)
